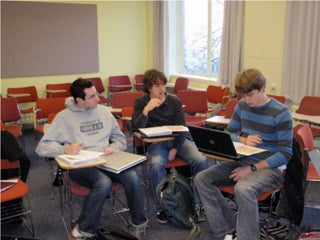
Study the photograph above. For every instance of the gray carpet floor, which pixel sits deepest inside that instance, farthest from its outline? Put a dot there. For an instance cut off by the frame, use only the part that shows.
(45, 205)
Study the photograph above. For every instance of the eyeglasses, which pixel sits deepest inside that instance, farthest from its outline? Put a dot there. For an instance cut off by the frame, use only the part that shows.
(92, 96)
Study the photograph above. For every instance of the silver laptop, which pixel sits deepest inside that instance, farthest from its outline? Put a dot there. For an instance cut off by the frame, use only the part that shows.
(120, 161)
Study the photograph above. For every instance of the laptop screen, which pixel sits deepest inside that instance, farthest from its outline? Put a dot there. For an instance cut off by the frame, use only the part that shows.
(213, 142)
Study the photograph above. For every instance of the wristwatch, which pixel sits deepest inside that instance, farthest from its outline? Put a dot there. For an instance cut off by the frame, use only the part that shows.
(253, 168)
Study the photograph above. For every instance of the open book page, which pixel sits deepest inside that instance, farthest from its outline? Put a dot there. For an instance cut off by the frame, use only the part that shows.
(6, 184)
(178, 128)
(246, 150)
(82, 157)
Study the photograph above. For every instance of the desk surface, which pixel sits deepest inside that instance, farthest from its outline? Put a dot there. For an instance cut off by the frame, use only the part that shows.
(306, 118)
(66, 166)
(114, 110)
(153, 139)
(217, 157)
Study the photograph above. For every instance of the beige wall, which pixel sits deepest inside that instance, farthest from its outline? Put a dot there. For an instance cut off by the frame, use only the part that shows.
(124, 45)
(264, 26)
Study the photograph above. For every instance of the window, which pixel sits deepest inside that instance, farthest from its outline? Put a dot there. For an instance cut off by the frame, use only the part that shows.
(200, 37)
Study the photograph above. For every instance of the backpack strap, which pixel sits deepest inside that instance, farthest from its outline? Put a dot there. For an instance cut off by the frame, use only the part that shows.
(195, 231)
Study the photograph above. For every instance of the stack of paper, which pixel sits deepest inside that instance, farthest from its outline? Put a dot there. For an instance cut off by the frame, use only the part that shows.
(162, 131)
(82, 157)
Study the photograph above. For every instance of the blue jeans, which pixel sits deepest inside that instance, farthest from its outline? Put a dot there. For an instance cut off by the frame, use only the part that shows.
(219, 215)
(100, 183)
(158, 157)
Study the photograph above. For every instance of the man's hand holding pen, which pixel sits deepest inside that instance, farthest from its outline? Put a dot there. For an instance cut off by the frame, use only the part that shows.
(253, 140)
(73, 148)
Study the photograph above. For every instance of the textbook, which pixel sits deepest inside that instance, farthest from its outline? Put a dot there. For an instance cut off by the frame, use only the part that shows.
(83, 157)
(162, 130)
(6, 184)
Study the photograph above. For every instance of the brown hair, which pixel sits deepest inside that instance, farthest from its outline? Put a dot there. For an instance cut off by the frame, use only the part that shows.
(152, 77)
(248, 80)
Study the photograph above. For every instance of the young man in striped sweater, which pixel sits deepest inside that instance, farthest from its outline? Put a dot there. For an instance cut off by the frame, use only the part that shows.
(257, 121)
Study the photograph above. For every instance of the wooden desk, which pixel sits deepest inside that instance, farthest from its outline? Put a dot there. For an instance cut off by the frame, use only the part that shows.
(218, 158)
(306, 118)
(218, 120)
(115, 111)
(66, 166)
(153, 139)
(19, 95)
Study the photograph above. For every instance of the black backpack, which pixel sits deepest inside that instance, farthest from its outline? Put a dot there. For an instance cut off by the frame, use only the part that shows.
(176, 199)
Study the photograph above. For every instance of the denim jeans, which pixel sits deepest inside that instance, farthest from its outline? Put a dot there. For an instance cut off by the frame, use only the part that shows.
(100, 183)
(219, 214)
(158, 156)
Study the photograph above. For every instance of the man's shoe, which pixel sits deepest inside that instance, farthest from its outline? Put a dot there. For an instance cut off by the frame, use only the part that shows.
(162, 217)
(75, 234)
(231, 236)
(137, 230)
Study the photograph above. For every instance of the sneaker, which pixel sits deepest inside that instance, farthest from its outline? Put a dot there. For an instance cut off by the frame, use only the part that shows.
(162, 217)
(75, 234)
(231, 236)
(137, 230)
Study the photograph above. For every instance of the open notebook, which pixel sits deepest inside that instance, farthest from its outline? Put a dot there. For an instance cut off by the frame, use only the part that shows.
(162, 130)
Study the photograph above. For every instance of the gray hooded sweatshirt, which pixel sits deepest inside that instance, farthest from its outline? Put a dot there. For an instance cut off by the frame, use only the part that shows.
(95, 128)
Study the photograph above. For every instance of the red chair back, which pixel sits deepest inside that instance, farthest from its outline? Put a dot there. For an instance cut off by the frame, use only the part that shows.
(97, 82)
(309, 105)
(139, 82)
(181, 84)
(10, 111)
(217, 94)
(230, 105)
(125, 99)
(119, 83)
(45, 106)
(58, 90)
(194, 101)
(279, 98)
(23, 94)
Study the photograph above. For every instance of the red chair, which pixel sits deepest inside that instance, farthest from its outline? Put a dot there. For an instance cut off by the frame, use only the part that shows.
(55, 90)
(230, 105)
(26, 98)
(45, 107)
(217, 94)
(304, 135)
(279, 98)
(125, 99)
(195, 105)
(10, 115)
(73, 188)
(309, 105)
(181, 84)
(119, 83)
(139, 82)
(97, 82)
(12, 207)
